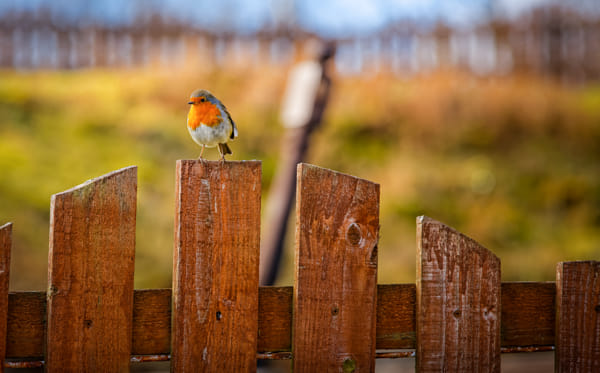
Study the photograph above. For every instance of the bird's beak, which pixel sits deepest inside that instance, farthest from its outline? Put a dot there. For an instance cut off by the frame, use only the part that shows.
(191, 102)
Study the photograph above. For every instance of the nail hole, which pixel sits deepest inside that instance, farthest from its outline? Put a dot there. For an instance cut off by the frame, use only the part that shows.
(219, 315)
(88, 323)
(456, 313)
(335, 311)
(597, 308)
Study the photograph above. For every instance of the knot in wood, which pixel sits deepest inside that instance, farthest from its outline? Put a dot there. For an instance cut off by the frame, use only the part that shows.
(349, 365)
(353, 234)
(335, 311)
(456, 313)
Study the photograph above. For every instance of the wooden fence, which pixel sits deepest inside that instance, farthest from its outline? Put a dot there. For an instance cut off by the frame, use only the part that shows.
(458, 317)
(550, 41)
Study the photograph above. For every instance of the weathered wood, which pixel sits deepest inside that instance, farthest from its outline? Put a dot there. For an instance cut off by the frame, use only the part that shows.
(577, 317)
(5, 246)
(396, 316)
(151, 322)
(458, 302)
(215, 276)
(523, 324)
(275, 319)
(91, 263)
(336, 272)
(528, 313)
(26, 324)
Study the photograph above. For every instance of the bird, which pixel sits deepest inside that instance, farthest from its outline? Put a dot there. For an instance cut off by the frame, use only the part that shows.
(209, 122)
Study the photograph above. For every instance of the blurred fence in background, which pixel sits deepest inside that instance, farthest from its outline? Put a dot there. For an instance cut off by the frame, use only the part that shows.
(547, 41)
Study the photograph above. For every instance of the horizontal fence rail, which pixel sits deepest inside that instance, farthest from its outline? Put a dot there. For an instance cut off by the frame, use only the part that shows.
(457, 317)
(523, 325)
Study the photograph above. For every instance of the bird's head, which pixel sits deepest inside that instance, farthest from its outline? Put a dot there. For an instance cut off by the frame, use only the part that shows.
(200, 96)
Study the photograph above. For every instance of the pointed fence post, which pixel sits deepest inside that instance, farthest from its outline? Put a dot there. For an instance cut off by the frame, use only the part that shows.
(90, 279)
(335, 289)
(5, 246)
(577, 317)
(458, 302)
(215, 276)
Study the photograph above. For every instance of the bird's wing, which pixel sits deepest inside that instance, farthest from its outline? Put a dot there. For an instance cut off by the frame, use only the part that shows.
(234, 131)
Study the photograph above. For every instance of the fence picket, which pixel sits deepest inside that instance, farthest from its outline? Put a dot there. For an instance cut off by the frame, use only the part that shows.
(458, 302)
(577, 317)
(91, 263)
(5, 246)
(215, 276)
(336, 272)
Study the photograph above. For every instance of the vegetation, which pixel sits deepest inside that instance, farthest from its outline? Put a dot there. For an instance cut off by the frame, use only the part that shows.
(513, 162)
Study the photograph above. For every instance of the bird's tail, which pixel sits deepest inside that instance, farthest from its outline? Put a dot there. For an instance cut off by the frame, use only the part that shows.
(224, 149)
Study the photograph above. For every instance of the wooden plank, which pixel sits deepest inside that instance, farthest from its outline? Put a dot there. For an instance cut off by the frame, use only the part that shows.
(336, 272)
(458, 302)
(578, 317)
(91, 263)
(26, 324)
(215, 276)
(528, 313)
(151, 322)
(396, 316)
(5, 246)
(523, 324)
(275, 319)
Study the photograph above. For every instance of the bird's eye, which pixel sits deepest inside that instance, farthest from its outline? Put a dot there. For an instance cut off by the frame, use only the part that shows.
(202, 99)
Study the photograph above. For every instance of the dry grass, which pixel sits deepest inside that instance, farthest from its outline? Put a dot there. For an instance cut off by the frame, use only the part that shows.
(513, 161)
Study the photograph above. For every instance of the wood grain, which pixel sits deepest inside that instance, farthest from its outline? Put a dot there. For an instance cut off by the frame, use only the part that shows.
(91, 263)
(523, 324)
(5, 246)
(215, 276)
(396, 316)
(336, 272)
(275, 319)
(151, 322)
(578, 317)
(458, 302)
(528, 313)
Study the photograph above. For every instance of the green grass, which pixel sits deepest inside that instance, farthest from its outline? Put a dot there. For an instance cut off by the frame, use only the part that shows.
(512, 162)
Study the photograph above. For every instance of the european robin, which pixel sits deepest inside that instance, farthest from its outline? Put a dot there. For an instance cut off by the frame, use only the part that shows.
(210, 123)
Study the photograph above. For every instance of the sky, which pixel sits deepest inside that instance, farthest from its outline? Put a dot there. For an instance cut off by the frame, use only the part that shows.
(326, 17)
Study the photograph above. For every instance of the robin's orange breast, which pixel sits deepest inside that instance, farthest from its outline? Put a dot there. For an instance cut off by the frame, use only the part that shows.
(203, 113)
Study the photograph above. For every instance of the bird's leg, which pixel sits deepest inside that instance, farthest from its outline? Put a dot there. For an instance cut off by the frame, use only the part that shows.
(222, 153)
(201, 151)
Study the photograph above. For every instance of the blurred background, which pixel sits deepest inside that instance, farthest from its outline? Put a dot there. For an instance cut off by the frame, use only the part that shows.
(484, 115)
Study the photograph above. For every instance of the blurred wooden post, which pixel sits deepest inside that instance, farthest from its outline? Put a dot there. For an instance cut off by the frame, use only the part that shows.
(335, 287)
(577, 317)
(5, 246)
(91, 263)
(458, 302)
(215, 275)
(305, 100)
